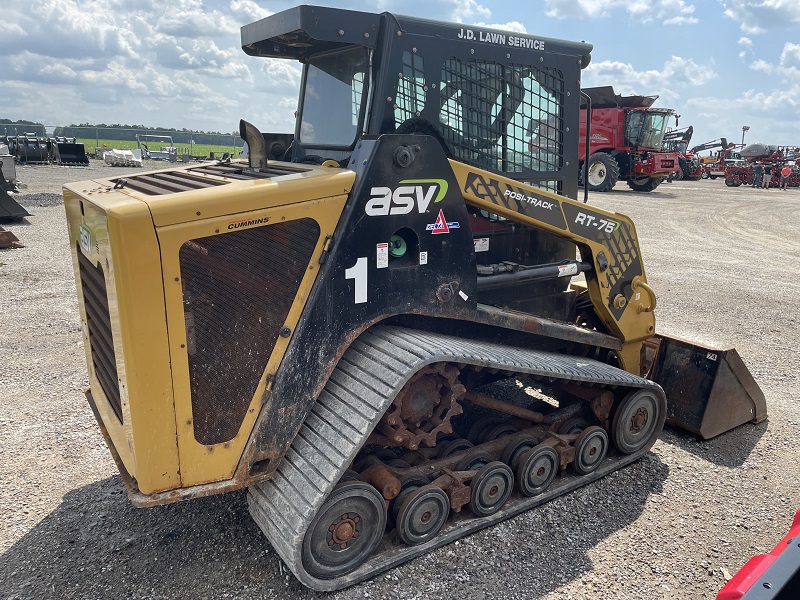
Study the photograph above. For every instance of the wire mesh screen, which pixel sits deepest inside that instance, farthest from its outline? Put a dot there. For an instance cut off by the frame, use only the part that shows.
(411, 88)
(238, 289)
(505, 118)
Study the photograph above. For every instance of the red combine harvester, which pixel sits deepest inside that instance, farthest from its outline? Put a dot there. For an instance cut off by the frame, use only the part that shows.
(677, 141)
(625, 140)
(775, 156)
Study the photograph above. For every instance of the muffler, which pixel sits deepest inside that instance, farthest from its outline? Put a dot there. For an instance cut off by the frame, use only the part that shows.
(709, 391)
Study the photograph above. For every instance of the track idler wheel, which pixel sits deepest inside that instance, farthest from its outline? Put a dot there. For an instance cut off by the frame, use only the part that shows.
(345, 531)
(635, 420)
(590, 450)
(422, 515)
(490, 488)
(537, 469)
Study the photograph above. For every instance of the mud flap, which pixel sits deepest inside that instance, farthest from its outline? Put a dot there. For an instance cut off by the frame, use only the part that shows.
(709, 391)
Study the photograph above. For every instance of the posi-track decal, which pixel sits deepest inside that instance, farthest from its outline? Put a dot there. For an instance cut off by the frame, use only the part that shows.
(526, 202)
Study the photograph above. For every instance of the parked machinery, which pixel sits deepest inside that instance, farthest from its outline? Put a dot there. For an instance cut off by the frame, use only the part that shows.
(69, 152)
(29, 149)
(777, 157)
(625, 141)
(380, 336)
(677, 141)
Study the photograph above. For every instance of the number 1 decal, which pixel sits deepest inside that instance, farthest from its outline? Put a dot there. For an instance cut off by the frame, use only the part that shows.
(359, 273)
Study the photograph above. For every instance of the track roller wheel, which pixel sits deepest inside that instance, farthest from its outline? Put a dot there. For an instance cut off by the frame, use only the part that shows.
(501, 430)
(451, 447)
(345, 531)
(490, 488)
(573, 425)
(590, 450)
(422, 515)
(635, 420)
(537, 469)
(477, 433)
(474, 461)
(350, 475)
(517, 448)
(408, 483)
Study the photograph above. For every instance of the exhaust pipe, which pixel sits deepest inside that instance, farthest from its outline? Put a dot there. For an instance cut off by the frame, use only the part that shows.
(257, 148)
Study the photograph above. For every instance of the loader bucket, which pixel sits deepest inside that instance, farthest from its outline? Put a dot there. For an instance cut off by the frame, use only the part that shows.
(9, 209)
(709, 390)
(72, 154)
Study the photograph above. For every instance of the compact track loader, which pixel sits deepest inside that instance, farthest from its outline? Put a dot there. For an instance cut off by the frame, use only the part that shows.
(394, 327)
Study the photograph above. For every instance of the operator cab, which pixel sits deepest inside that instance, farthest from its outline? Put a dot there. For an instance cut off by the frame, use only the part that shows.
(505, 103)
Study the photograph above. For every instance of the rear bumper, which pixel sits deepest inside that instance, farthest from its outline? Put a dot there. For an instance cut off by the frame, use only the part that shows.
(773, 575)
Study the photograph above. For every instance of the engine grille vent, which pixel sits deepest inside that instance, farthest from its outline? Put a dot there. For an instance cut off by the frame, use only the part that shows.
(238, 289)
(171, 182)
(101, 342)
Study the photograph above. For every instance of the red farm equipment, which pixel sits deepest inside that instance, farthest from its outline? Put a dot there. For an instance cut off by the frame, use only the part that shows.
(677, 141)
(775, 156)
(625, 141)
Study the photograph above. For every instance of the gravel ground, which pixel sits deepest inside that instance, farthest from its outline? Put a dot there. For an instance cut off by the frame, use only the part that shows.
(676, 524)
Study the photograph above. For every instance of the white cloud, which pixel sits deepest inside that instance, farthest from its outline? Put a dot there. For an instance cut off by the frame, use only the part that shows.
(762, 16)
(790, 56)
(626, 79)
(514, 26)
(667, 12)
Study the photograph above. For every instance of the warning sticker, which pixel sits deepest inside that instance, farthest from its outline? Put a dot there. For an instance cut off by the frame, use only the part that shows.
(382, 255)
(481, 244)
(567, 270)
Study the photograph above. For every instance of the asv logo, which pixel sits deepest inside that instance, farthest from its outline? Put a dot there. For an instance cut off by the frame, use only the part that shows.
(402, 200)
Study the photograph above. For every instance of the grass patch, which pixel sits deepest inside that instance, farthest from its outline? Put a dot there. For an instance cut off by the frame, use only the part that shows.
(90, 146)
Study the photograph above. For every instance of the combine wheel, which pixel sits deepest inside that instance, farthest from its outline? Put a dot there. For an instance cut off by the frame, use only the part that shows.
(345, 531)
(422, 515)
(590, 450)
(647, 184)
(490, 488)
(732, 182)
(537, 469)
(636, 419)
(603, 172)
(517, 448)
(474, 461)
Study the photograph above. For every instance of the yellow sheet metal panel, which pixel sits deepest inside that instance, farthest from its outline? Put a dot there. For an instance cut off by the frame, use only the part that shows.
(116, 234)
(203, 463)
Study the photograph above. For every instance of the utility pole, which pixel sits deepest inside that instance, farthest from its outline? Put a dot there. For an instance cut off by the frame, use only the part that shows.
(745, 129)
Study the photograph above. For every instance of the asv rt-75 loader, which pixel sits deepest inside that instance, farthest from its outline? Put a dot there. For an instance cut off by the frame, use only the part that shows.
(394, 328)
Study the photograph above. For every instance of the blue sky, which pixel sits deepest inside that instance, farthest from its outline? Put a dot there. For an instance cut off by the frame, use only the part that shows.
(720, 64)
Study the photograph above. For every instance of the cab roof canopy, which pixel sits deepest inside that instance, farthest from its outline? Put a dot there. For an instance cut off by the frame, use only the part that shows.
(303, 30)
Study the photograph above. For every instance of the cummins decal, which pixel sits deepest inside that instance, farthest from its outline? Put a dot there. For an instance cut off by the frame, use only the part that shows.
(524, 201)
(247, 223)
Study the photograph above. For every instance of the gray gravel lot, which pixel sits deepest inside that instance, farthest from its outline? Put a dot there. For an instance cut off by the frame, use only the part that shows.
(724, 263)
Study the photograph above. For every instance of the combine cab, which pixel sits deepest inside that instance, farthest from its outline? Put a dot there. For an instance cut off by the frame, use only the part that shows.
(70, 153)
(625, 141)
(406, 330)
